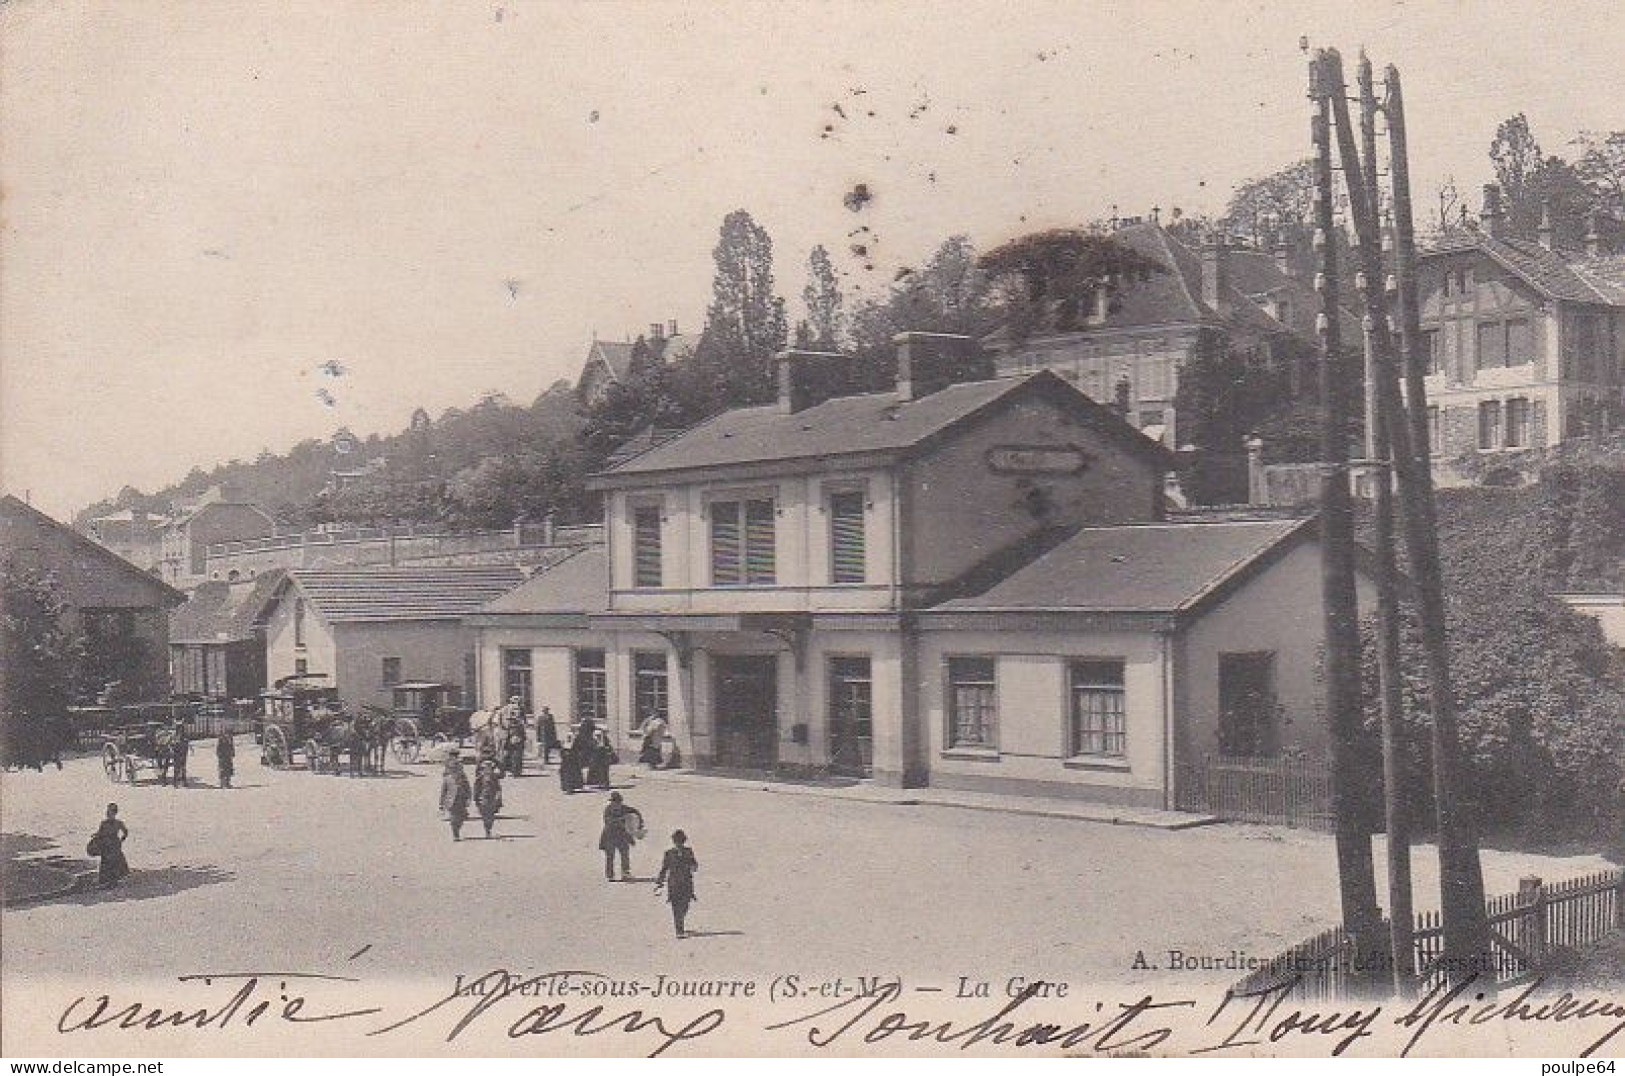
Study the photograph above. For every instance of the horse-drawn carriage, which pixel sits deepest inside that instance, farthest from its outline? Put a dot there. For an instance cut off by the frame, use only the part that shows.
(303, 715)
(421, 718)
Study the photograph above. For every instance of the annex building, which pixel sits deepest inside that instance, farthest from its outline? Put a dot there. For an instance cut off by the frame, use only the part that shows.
(965, 585)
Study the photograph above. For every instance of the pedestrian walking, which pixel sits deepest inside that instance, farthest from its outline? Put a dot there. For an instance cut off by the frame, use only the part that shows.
(488, 792)
(677, 878)
(225, 755)
(448, 778)
(622, 825)
(547, 735)
(107, 845)
(600, 759)
(513, 737)
(456, 799)
(179, 748)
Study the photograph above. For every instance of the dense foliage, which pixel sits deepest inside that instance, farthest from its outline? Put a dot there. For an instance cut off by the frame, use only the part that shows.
(1541, 693)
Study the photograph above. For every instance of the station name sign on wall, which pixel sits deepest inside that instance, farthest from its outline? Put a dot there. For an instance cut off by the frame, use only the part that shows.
(1037, 459)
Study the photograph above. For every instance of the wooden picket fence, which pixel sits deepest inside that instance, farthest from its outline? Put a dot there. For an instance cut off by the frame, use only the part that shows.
(1280, 791)
(1526, 928)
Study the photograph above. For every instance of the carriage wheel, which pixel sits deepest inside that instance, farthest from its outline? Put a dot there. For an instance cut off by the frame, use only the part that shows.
(406, 749)
(273, 747)
(313, 757)
(112, 762)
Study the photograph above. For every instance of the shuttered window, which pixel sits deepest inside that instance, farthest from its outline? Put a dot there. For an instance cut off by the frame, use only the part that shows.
(725, 539)
(646, 546)
(846, 538)
(742, 543)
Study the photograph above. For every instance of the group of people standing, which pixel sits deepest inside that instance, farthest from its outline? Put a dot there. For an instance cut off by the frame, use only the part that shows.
(584, 763)
(175, 750)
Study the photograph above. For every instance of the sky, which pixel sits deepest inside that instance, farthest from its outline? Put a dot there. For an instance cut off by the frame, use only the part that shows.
(227, 227)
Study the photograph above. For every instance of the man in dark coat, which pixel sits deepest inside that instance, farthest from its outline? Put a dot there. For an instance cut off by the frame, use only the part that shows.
(621, 826)
(179, 749)
(547, 735)
(677, 877)
(225, 754)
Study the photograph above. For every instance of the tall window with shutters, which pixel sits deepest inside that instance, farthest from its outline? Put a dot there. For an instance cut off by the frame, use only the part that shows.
(742, 543)
(646, 546)
(846, 537)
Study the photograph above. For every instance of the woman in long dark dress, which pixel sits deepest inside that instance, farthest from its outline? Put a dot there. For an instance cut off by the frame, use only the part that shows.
(677, 876)
(602, 754)
(108, 845)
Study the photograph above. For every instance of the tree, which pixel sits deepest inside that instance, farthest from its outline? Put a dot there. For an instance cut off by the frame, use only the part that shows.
(1264, 206)
(1535, 184)
(39, 658)
(746, 324)
(1602, 167)
(1048, 279)
(1224, 395)
(822, 296)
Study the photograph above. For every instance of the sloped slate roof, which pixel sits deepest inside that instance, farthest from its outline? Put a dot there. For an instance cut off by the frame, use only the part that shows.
(358, 595)
(577, 585)
(617, 356)
(1556, 274)
(220, 612)
(1145, 568)
(847, 425)
(27, 514)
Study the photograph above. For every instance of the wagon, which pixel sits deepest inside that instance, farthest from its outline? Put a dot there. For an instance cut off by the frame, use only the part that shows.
(420, 718)
(129, 749)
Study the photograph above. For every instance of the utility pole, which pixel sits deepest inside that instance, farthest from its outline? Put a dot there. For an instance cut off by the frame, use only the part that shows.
(1461, 879)
(1356, 881)
(1401, 942)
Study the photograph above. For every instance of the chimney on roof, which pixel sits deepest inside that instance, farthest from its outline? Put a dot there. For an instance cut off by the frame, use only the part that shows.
(1545, 234)
(808, 378)
(1593, 234)
(1492, 218)
(1215, 272)
(927, 362)
(671, 327)
(657, 331)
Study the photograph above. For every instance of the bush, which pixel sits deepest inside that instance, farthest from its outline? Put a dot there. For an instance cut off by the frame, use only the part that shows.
(1540, 692)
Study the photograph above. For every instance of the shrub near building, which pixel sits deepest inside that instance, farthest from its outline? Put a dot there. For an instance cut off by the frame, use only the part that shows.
(1541, 692)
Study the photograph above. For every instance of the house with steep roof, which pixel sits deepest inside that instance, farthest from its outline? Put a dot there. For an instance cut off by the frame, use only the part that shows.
(214, 517)
(121, 612)
(1525, 342)
(611, 361)
(969, 585)
(217, 639)
(1136, 333)
(372, 628)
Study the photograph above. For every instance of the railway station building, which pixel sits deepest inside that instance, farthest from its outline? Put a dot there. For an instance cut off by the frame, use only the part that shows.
(969, 585)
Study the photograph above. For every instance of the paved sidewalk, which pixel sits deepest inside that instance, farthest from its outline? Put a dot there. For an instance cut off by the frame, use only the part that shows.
(870, 792)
